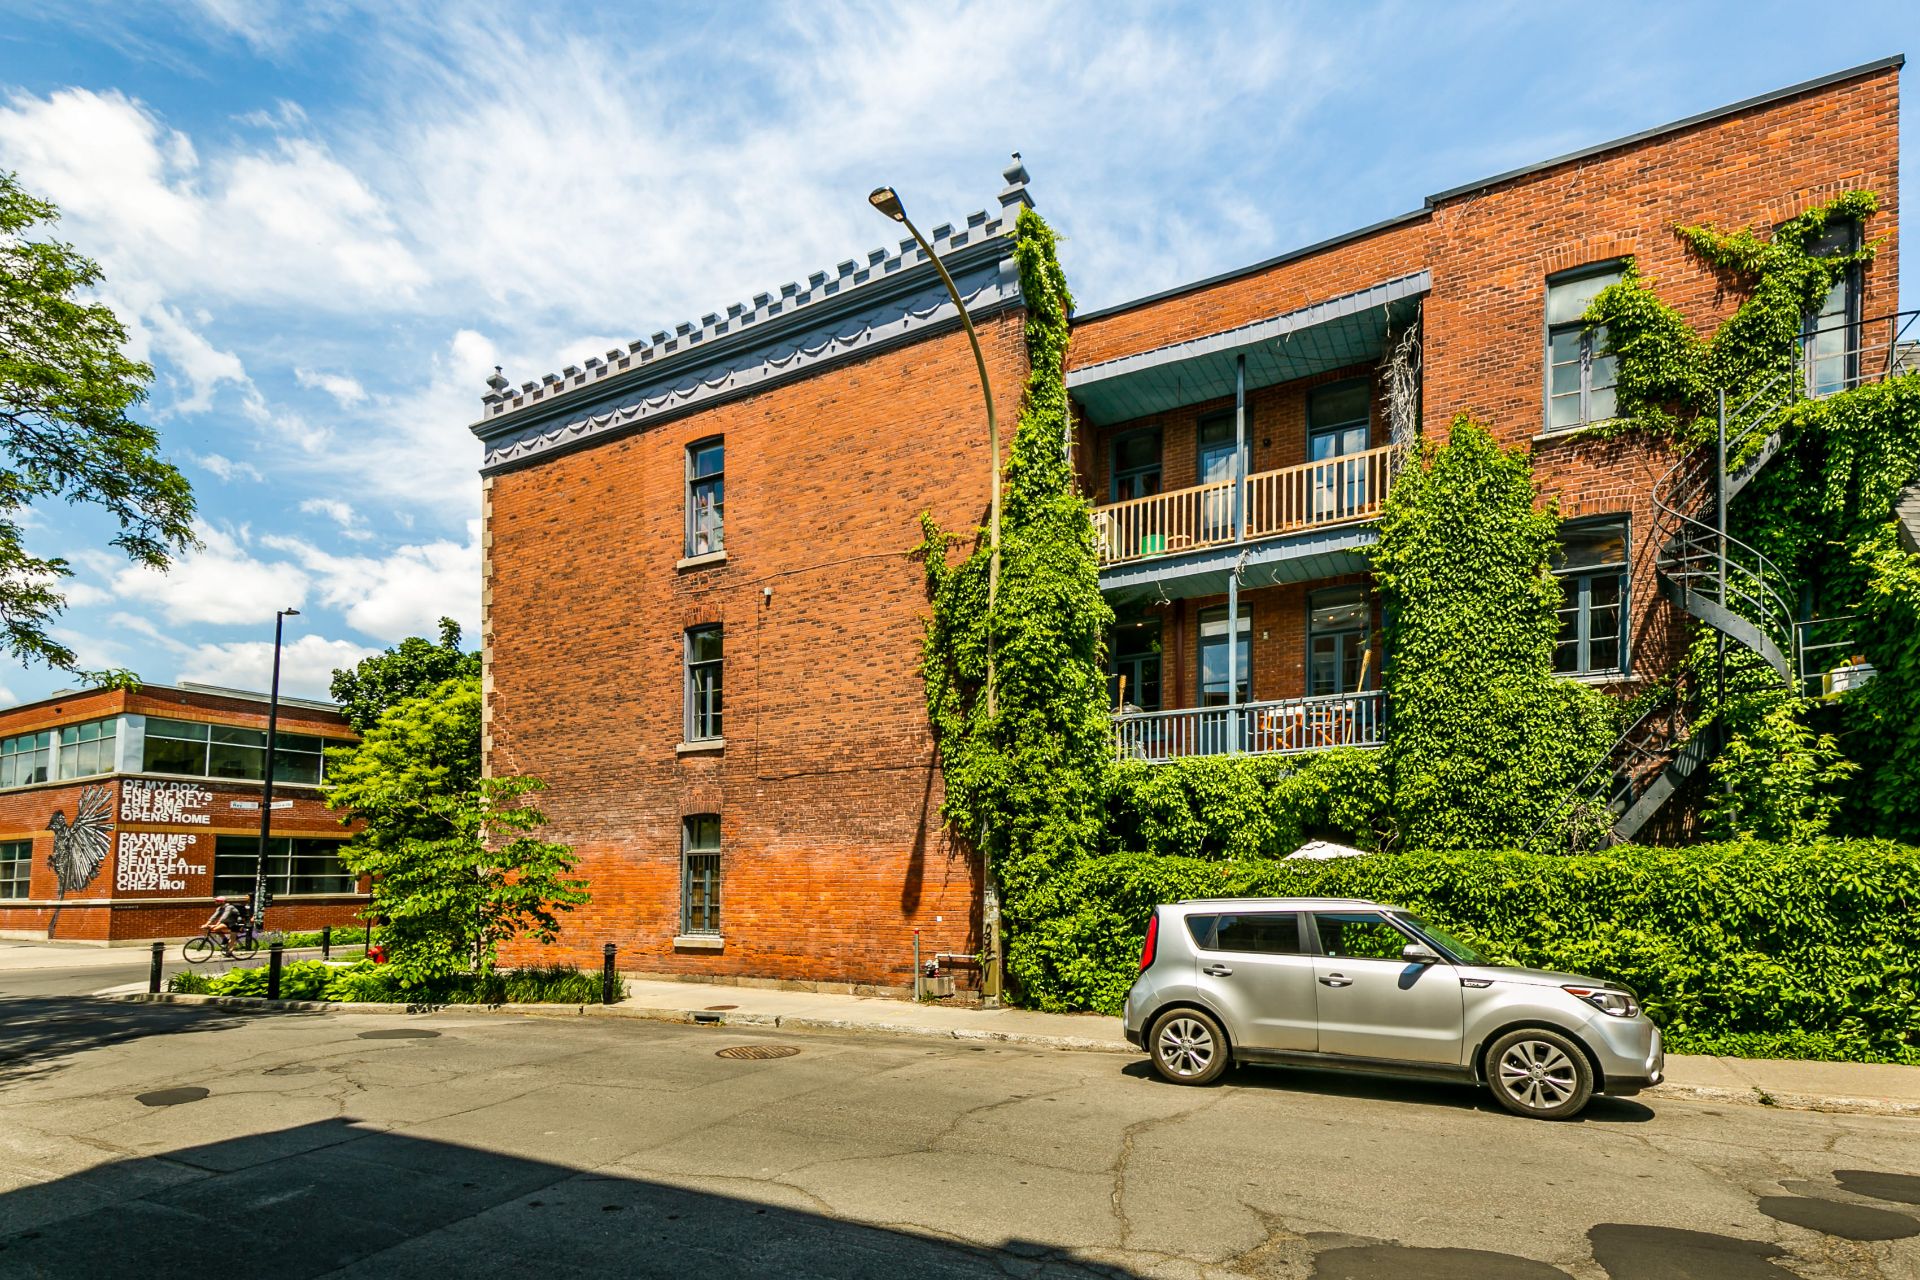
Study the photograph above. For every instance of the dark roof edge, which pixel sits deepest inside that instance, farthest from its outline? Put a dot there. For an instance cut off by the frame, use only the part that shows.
(1893, 61)
(1716, 113)
(1281, 259)
(187, 687)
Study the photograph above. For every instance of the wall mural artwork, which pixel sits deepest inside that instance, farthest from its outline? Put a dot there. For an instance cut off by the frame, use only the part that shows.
(80, 847)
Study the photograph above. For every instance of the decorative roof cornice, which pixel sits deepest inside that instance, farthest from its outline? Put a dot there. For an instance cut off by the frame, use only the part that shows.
(895, 296)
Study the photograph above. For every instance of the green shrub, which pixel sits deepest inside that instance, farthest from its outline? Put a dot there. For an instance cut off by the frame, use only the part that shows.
(299, 980)
(1735, 948)
(1245, 806)
(344, 936)
(367, 982)
(189, 982)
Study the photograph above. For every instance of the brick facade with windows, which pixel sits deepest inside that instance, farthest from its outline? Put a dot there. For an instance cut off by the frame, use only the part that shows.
(170, 827)
(847, 406)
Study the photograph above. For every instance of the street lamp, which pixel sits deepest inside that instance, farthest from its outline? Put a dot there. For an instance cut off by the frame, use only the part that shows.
(266, 793)
(887, 201)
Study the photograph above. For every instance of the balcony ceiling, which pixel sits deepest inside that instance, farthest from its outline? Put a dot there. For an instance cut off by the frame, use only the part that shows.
(1334, 334)
(1305, 557)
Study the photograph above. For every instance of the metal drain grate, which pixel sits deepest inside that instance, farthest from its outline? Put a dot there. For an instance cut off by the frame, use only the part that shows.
(757, 1052)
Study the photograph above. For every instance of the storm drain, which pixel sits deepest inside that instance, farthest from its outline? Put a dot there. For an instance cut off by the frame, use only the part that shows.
(399, 1033)
(721, 1008)
(757, 1052)
(170, 1097)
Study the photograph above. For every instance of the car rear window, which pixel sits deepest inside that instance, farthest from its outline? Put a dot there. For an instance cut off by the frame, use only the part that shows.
(1262, 933)
(1200, 929)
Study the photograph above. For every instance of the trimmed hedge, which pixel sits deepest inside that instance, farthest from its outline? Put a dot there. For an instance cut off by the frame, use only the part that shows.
(1748, 949)
(367, 983)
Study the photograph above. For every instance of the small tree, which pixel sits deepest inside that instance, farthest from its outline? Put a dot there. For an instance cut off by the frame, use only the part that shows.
(456, 867)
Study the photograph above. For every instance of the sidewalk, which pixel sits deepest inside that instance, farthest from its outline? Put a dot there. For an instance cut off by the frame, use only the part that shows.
(1868, 1088)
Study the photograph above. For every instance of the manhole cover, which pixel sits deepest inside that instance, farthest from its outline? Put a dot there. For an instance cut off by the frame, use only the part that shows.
(757, 1051)
(399, 1033)
(171, 1097)
(721, 1008)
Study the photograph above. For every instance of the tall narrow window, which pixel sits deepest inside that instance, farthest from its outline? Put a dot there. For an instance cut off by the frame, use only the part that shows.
(1580, 379)
(1338, 419)
(1339, 636)
(1213, 657)
(700, 874)
(706, 497)
(1136, 464)
(1215, 467)
(1830, 335)
(1133, 672)
(703, 683)
(16, 868)
(1593, 616)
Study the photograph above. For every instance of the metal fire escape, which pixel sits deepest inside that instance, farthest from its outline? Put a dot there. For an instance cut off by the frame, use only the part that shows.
(1714, 577)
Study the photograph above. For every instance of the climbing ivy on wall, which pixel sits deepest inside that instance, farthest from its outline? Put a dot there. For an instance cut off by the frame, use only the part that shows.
(1484, 738)
(1821, 512)
(1026, 783)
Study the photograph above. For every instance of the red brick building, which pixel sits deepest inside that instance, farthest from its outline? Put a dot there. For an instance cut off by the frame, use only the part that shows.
(700, 628)
(122, 813)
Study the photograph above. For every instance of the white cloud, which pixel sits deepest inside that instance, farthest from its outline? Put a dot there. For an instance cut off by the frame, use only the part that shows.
(341, 513)
(406, 592)
(307, 664)
(344, 388)
(221, 584)
(226, 468)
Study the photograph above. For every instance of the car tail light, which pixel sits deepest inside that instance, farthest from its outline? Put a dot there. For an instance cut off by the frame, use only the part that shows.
(1153, 938)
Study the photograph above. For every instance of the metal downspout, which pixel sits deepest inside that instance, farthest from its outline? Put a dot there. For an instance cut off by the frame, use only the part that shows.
(1239, 537)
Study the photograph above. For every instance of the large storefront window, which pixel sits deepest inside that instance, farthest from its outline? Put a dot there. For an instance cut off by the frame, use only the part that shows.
(295, 865)
(196, 750)
(71, 751)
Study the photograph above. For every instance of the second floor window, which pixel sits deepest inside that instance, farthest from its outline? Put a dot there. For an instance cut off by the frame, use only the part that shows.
(1136, 464)
(1593, 617)
(1580, 379)
(706, 497)
(71, 751)
(1831, 334)
(191, 749)
(703, 684)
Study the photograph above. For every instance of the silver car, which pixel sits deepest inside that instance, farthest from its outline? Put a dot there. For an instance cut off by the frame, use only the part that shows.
(1342, 983)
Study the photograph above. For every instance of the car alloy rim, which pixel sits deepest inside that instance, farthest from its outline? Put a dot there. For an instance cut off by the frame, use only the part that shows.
(1186, 1047)
(1537, 1075)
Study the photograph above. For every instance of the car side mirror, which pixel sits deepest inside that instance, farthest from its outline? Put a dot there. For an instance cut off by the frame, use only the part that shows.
(1415, 953)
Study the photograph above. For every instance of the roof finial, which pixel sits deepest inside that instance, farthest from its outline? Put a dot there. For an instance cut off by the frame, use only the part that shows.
(1016, 191)
(498, 382)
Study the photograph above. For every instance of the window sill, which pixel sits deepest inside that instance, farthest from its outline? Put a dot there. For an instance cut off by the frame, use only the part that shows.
(1584, 431)
(699, 942)
(706, 746)
(1615, 676)
(701, 561)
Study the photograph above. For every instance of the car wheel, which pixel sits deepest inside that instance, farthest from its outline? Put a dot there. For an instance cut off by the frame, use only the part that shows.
(1540, 1074)
(1188, 1047)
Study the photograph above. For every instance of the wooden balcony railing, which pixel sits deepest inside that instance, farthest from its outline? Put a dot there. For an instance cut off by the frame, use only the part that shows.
(1279, 727)
(1309, 496)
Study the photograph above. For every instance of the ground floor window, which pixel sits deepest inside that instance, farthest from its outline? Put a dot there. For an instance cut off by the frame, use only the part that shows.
(1133, 672)
(1593, 580)
(295, 865)
(700, 874)
(1339, 641)
(16, 868)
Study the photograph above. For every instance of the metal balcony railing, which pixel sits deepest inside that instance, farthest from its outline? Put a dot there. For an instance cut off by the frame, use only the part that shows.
(1280, 726)
(1309, 496)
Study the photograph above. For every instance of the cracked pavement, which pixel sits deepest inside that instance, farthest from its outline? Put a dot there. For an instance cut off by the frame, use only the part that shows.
(627, 1148)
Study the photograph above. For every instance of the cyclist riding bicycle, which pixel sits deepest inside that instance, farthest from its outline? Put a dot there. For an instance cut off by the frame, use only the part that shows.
(229, 915)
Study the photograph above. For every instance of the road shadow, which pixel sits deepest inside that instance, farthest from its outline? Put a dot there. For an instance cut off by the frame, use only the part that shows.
(39, 1033)
(1424, 1093)
(331, 1196)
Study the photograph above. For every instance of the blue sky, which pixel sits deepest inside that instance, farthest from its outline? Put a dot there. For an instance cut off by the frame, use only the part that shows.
(325, 222)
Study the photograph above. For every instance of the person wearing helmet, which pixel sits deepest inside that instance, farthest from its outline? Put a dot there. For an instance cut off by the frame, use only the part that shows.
(226, 913)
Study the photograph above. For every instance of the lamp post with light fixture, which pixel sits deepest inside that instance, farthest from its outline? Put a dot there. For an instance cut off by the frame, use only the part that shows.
(887, 201)
(266, 793)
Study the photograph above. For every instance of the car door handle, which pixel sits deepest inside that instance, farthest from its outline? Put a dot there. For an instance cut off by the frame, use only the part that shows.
(1336, 980)
(1217, 971)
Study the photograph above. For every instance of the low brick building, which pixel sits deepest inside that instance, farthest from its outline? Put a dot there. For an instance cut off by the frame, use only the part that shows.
(701, 629)
(123, 813)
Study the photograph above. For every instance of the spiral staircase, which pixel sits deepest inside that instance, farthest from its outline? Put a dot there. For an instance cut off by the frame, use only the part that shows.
(1724, 583)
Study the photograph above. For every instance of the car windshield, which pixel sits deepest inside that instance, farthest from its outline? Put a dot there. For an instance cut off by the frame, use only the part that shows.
(1454, 949)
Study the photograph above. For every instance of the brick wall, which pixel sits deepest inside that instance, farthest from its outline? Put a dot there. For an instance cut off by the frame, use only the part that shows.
(832, 848)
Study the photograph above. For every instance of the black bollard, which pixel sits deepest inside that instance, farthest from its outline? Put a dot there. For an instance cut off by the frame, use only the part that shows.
(274, 956)
(153, 972)
(607, 979)
(326, 942)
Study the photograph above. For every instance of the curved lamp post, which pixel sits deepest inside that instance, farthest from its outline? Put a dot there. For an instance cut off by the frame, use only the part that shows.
(887, 201)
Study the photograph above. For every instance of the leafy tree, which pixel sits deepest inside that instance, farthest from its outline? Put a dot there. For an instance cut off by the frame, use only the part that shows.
(457, 868)
(1484, 738)
(65, 390)
(414, 666)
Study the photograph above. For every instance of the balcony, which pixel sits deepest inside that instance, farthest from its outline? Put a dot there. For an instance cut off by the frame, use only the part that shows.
(1284, 726)
(1291, 500)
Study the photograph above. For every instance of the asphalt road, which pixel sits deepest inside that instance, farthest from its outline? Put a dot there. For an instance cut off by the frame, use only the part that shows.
(158, 1140)
(101, 970)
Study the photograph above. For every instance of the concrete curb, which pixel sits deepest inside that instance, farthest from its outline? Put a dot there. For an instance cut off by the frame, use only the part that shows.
(1674, 1092)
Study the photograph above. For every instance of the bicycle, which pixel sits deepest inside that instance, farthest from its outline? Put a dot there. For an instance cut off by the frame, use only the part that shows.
(245, 944)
